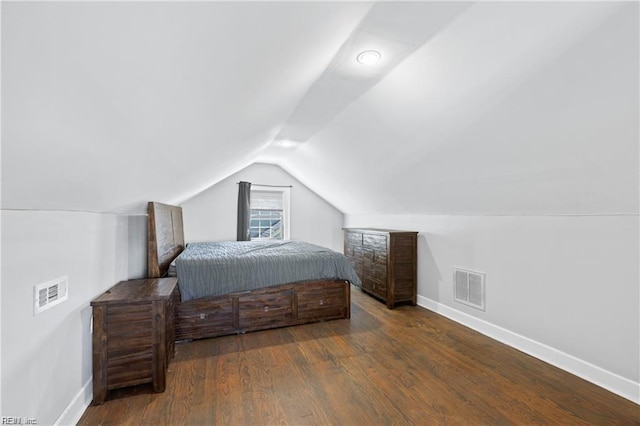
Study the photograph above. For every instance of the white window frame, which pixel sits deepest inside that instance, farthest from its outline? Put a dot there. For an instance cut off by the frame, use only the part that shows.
(286, 205)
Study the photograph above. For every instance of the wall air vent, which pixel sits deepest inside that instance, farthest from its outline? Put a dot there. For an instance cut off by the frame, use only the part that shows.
(49, 294)
(468, 287)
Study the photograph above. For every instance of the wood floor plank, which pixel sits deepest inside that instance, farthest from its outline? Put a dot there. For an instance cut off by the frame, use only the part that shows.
(401, 366)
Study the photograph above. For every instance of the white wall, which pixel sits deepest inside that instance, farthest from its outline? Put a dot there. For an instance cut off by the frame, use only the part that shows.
(211, 215)
(536, 184)
(137, 227)
(497, 114)
(46, 359)
(569, 283)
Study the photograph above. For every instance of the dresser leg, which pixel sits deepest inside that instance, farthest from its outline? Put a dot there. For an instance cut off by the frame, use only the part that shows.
(99, 395)
(99, 355)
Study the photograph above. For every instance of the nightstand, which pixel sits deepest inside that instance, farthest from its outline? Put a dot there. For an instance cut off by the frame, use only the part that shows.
(133, 335)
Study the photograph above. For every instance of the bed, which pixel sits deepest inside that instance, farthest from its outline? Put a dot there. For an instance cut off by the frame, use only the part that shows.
(200, 316)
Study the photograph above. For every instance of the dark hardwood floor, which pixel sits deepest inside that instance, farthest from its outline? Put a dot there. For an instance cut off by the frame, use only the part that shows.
(402, 366)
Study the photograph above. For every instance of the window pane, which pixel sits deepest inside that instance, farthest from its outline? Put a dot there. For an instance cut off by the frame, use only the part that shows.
(266, 214)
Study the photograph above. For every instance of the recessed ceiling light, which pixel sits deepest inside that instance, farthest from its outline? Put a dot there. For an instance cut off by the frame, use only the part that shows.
(369, 57)
(286, 143)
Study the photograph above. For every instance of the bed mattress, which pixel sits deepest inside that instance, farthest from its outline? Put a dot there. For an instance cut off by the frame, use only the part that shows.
(217, 268)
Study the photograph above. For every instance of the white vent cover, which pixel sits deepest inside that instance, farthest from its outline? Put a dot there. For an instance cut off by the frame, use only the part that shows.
(468, 287)
(49, 294)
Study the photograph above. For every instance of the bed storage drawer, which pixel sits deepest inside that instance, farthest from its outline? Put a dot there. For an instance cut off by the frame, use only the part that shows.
(263, 310)
(205, 318)
(317, 303)
(277, 306)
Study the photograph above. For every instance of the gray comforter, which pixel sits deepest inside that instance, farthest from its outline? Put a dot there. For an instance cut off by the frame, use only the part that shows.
(213, 269)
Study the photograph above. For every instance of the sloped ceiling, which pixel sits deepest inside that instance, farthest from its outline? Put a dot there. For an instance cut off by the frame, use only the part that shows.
(475, 108)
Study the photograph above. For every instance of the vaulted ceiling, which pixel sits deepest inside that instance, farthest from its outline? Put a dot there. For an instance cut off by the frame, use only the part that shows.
(474, 108)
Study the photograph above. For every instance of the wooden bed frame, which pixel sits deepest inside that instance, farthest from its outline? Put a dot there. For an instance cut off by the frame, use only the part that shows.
(277, 306)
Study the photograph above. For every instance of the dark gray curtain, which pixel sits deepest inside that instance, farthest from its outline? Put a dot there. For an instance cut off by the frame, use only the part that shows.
(244, 211)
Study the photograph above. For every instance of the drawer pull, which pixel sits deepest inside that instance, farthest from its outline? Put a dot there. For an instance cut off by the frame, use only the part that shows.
(321, 302)
(202, 316)
(266, 308)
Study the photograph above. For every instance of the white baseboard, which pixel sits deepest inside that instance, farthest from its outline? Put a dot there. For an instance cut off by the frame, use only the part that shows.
(612, 382)
(76, 408)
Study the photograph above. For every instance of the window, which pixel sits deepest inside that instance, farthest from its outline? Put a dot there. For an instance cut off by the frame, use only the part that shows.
(269, 213)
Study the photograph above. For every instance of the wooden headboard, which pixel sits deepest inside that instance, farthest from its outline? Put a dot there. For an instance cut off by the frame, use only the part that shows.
(166, 237)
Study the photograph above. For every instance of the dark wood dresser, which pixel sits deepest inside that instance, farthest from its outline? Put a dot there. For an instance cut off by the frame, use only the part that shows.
(133, 335)
(386, 262)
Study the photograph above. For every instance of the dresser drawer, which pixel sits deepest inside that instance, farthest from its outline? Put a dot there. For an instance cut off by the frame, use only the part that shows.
(376, 287)
(376, 273)
(375, 242)
(353, 238)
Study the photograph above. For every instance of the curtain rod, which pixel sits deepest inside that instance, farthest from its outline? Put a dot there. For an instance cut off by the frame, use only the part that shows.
(270, 186)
